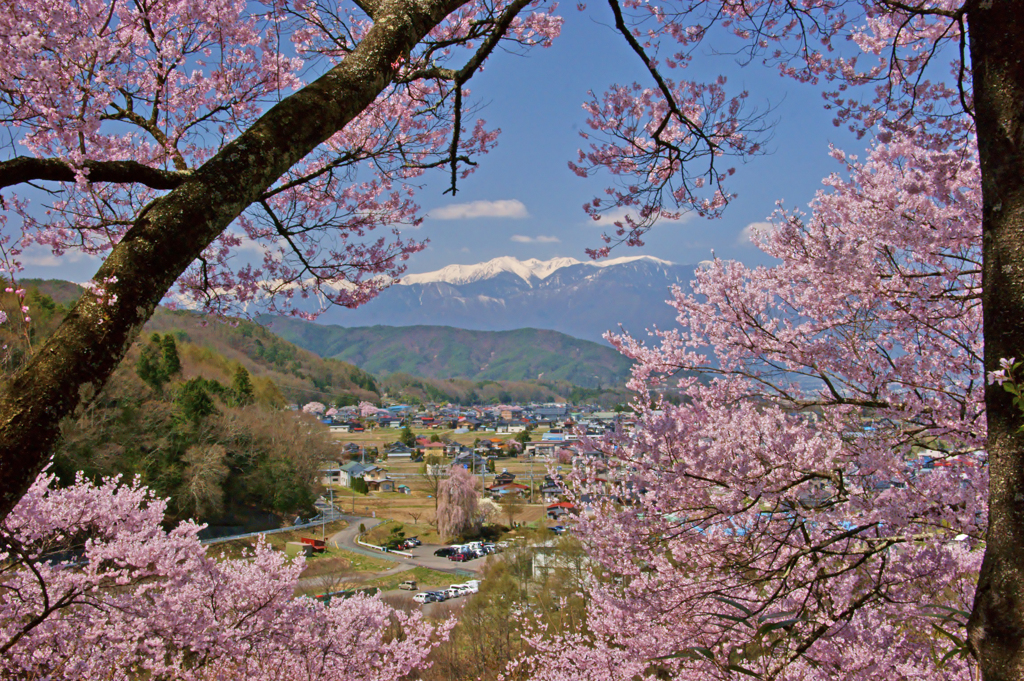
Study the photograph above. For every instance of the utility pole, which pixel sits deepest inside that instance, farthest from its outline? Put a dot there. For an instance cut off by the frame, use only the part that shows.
(531, 480)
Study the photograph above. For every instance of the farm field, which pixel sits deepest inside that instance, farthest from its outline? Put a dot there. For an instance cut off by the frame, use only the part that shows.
(415, 510)
(419, 506)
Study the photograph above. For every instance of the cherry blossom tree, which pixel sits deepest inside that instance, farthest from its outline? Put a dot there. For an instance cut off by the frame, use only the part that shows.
(94, 587)
(457, 499)
(181, 137)
(315, 408)
(817, 509)
(367, 410)
(941, 73)
(182, 132)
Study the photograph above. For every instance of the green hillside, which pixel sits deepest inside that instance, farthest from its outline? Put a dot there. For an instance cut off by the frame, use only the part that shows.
(445, 352)
(195, 412)
(300, 375)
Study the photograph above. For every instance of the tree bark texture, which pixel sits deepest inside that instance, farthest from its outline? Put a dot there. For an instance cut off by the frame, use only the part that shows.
(996, 31)
(172, 231)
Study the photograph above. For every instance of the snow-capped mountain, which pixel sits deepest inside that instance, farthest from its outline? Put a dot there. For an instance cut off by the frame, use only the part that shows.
(582, 299)
(529, 270)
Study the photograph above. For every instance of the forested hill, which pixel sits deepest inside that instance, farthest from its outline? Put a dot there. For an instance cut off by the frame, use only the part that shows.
(300, 375)
(445, 352)
(216, 347)
(195, 412)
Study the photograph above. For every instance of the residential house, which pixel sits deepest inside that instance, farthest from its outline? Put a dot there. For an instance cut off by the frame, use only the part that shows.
(551, 413)
(330, 473)
(542, 449)
(435, 448)
(559, 510)
(507, 489)
(385, 485)
(470, 460)
(410, 455)
(504, 477)
(354, 469)
(552, 488)
(389, 421)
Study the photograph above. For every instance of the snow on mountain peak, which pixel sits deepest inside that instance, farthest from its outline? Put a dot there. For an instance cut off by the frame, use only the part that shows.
(525, 269)
(628, 259)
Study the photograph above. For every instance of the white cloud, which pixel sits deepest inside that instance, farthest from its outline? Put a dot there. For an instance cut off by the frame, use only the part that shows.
(37, 255)
(619, 214)
(753, 232)
(522, 239)
(506, 208)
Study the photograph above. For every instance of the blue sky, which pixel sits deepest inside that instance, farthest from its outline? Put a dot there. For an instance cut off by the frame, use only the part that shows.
(523, 200)
(536, 101)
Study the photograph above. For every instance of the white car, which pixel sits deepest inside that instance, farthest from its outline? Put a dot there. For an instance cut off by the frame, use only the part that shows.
(422, 597)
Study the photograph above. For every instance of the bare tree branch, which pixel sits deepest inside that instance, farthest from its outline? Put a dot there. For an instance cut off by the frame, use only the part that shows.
(21, 169)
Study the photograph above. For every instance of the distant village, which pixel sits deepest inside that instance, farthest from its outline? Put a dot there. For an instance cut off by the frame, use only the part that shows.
(547, 434)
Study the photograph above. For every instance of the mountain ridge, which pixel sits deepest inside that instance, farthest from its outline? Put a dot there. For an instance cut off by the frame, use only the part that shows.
(580, 299)
(444, 352)
(525, 269)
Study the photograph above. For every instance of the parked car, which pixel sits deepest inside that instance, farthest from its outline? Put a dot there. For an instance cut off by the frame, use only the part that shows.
(445, 552)
(413, 541)
(408, 586)
(558, 529)
(439, 596)
(422, 597)
(459, 557)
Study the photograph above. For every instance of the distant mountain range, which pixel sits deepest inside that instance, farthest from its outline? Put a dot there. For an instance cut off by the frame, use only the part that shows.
(581, 299)
(443, 352)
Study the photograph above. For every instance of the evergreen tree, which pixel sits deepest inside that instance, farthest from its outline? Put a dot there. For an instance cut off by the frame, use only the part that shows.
(194, 401)
(406, 437)
(149, 367)
(171, 361)
(241, 387)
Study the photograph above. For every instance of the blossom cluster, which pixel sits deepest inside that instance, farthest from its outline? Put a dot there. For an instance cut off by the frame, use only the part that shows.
(94, 587)
(816, 499)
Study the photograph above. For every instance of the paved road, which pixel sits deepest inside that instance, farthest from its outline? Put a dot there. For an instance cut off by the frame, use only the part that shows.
(422, 556)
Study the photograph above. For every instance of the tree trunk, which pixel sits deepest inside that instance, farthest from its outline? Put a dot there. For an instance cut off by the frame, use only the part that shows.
(996, 626)
(172, 231)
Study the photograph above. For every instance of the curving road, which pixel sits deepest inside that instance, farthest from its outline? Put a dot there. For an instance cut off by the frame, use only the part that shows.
(422, 556)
